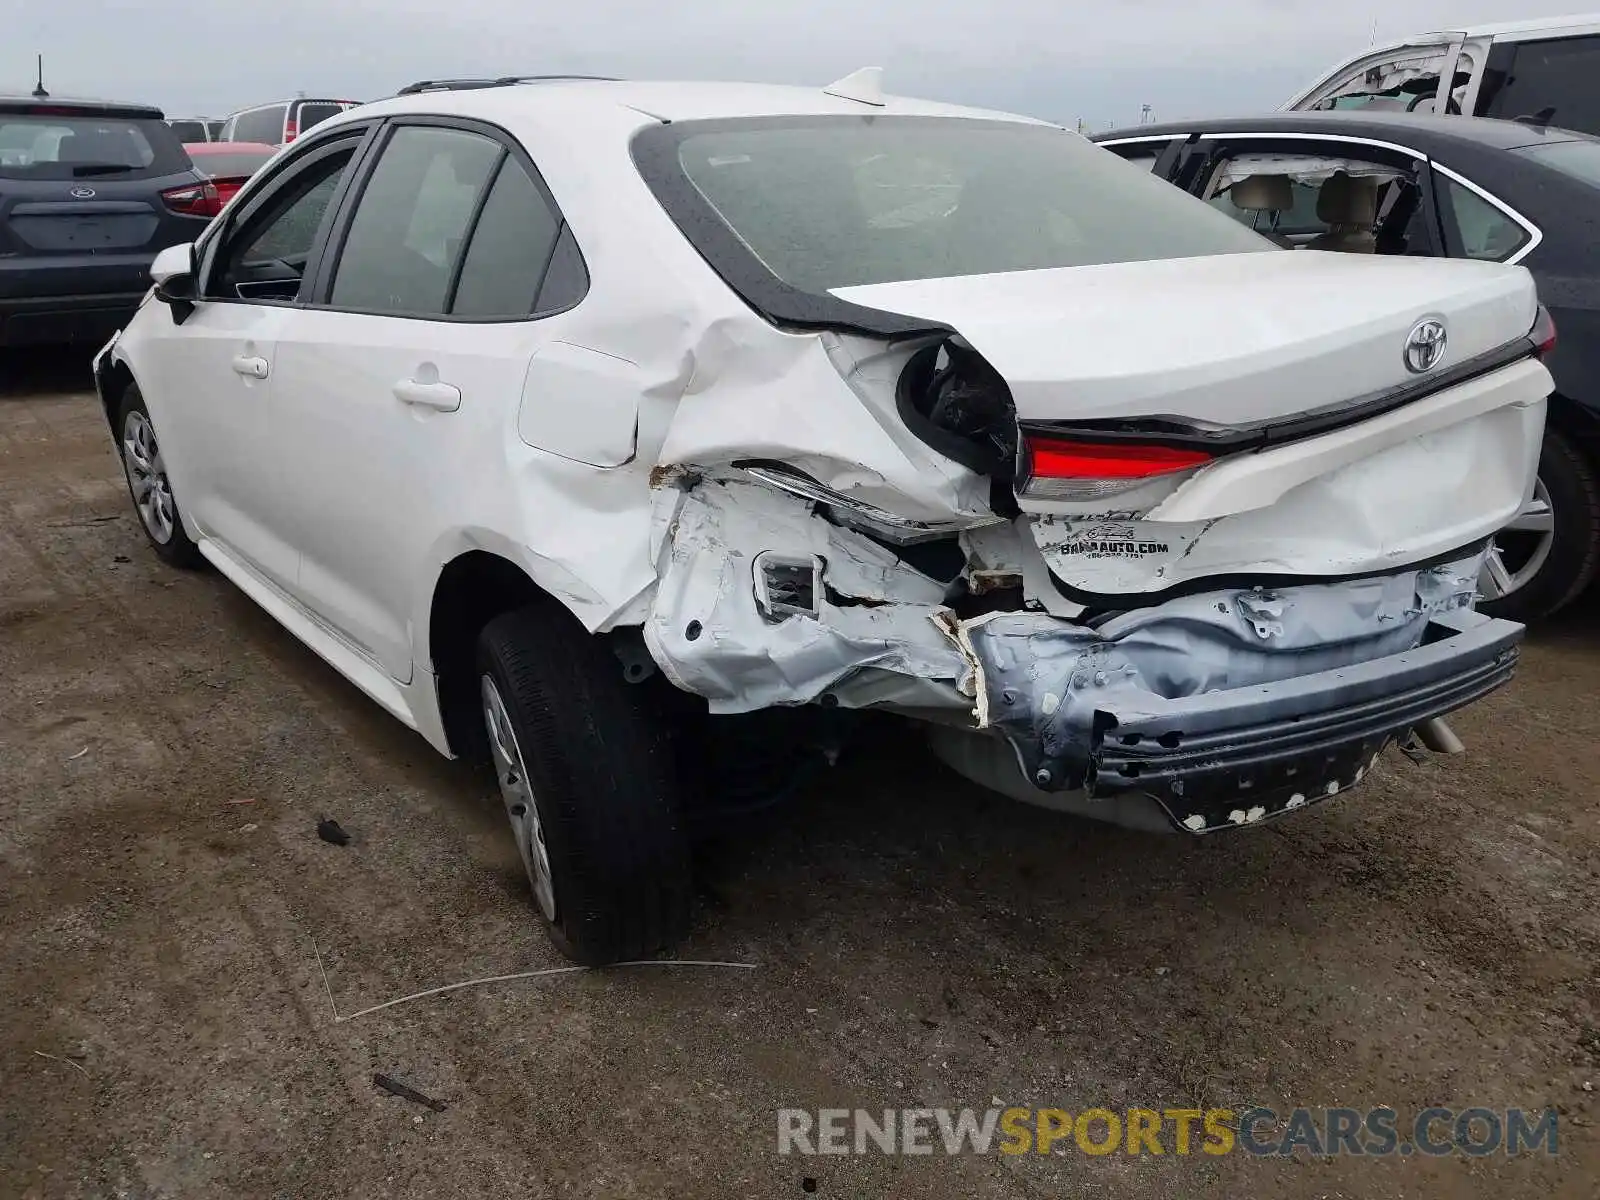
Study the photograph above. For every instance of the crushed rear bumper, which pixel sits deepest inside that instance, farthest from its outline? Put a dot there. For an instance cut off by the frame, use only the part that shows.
(1234, 756)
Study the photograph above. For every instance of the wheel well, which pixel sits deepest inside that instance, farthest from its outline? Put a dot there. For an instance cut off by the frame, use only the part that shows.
(472, 590)
(114, 381)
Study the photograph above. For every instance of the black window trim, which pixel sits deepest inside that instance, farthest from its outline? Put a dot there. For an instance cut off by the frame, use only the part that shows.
(258, 197)
(318, 295)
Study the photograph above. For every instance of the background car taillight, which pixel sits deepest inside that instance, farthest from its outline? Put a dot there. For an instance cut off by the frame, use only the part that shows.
(194, 200)
(227, 189)
(291, 130)
(1543, 333)
(1058, 468)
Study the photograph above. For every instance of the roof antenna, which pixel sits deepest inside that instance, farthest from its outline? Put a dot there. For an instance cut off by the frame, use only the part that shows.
(864, 86)
(38, 89)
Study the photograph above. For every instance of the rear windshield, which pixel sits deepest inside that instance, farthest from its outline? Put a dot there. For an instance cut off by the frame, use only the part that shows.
(1579, 159)
(833, 202)
(47, 146)
(230, 164)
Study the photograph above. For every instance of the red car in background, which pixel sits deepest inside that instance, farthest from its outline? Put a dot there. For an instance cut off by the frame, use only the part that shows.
(228, 164)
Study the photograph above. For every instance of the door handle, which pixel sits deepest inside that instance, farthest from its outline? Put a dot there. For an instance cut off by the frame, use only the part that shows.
(250, 366)
(441, 396)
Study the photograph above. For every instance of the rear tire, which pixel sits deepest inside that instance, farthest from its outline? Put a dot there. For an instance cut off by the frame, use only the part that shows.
(149, 486)
(1568, 482)
(591, 759)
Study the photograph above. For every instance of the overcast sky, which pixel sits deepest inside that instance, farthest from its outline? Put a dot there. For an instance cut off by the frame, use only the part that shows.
(1060, 60)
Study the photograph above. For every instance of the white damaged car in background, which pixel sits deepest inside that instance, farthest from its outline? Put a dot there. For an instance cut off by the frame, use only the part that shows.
(572, 420)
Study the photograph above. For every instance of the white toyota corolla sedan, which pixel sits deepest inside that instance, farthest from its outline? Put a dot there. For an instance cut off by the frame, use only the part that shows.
(571, 418)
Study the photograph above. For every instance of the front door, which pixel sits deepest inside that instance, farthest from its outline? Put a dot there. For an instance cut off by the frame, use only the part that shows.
(228, 441)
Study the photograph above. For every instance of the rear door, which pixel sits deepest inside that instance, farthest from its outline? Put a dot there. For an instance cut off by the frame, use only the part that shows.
(400, 384)
(87, 197)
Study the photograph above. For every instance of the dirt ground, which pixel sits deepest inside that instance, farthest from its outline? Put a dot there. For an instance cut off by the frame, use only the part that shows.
(166, 752)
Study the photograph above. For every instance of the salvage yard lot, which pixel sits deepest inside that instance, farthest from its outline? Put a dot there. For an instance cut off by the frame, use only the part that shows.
(166, 752)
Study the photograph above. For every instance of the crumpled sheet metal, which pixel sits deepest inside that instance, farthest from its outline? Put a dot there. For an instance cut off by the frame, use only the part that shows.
(1042, 681)
(708, 636)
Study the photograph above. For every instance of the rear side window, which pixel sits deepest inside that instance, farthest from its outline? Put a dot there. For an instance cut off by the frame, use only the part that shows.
(1483, 230)
(260, 125)
(511, 244)
(1554, 80)
(411, 222)
(450, 223)
(50, 146)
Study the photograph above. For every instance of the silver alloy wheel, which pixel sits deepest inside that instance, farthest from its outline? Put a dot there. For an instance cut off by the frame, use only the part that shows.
(1525, 543)
(516, 789)
(147, 477)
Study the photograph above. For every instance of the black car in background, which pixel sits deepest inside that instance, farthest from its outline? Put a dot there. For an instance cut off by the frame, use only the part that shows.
(89, 193)
(1457, 187)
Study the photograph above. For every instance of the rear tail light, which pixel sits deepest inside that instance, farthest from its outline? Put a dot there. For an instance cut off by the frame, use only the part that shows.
(226, 190)
(291, 130)
(194, 200)
(1057, 468)
(1543, 333)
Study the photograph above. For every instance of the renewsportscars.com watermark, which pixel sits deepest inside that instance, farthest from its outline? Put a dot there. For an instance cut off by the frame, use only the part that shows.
(1377, 1132)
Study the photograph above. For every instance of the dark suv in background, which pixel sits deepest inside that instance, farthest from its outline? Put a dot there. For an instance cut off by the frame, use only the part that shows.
(89, 193)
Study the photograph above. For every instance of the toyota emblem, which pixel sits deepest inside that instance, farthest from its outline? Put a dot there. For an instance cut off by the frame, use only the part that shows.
(1425, 346)
(82, 193)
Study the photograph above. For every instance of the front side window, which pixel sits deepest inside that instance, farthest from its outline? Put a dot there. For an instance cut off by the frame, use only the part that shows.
(1483, 229)
(266, 258)
(835, 202)
(411, 223)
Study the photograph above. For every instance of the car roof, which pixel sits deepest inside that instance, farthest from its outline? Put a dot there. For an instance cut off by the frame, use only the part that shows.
(67, 105)
(1480, 131)
(1495, 29)
(665, 101)
(291, 100)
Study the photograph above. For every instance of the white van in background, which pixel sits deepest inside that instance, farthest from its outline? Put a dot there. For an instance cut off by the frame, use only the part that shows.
(1545, 70)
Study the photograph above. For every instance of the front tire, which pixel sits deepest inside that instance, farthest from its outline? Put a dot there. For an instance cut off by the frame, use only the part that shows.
(586, 766)
(149, 487)
(1547, 556)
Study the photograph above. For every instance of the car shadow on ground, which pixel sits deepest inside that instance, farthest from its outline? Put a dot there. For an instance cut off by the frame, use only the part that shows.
(31, 371)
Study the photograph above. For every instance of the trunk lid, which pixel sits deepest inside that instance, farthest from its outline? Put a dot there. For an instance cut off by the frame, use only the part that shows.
(1227, 339)
(1247, 340)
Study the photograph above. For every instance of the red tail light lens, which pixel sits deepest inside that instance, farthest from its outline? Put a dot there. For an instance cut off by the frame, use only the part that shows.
(1062, 469)
(1543, 333)
(195, 200)
(226, 190)
(291, 130)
